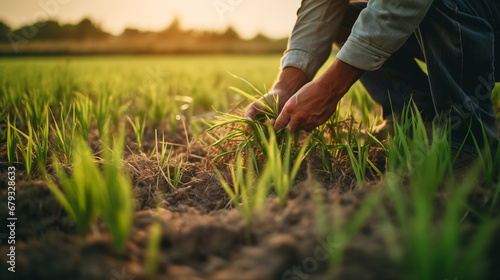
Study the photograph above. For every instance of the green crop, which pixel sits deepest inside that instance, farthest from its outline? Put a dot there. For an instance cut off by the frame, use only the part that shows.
(114, 195)
(65, 137)
(431, 249)
(26, 150)
(247, 193)
(166, 159)
(83, 94)
(251, 134)
(153, 250)
(175, 176)
(138, 128)
(489, 158)
(11, 141)
(282, 162)
(359, 162)
(78, 195)
(83, 108)
(163, 156)
(89, 192)
(102, 113)
(159, 105)
(42, 145)
(36, 108)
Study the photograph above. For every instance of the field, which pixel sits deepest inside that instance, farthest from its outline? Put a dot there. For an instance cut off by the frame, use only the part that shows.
(127, 167)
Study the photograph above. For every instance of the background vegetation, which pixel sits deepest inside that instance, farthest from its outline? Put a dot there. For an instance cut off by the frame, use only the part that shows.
(86, 37)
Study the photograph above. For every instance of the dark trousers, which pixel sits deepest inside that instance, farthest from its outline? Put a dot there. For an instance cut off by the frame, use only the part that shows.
(459, 40)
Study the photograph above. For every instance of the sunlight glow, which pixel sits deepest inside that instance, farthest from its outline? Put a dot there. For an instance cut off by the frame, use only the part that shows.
(249, 17)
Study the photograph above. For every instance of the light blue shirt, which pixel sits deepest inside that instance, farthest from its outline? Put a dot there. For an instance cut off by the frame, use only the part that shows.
(380, 30)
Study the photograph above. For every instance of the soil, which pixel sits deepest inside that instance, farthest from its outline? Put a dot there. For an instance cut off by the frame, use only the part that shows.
(202, 235)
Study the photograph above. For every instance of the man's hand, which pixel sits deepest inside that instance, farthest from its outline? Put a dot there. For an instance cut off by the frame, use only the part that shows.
(288, 83)
(309, 108)
(316, 102)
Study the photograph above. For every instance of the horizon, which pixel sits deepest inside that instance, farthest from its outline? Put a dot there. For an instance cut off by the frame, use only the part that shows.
(155, 15)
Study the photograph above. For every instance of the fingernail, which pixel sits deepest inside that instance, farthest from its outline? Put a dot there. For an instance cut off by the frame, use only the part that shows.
(250, 119)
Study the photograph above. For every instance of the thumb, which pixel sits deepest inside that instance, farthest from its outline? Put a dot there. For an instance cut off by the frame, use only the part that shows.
(283, 119)
(254, 108)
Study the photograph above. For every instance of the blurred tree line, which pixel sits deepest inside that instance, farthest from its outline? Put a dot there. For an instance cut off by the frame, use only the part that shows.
(50, 37)
(52, 30)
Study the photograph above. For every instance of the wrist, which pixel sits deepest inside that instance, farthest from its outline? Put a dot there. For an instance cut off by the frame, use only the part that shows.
(290, 80)
(339, 77)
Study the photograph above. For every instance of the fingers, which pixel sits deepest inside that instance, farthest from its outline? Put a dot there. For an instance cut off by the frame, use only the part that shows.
(293, 125)
(292, 121)
(252, 111)
(283, 119)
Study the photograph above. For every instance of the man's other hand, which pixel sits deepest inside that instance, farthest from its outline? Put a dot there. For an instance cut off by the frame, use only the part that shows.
(288, 83)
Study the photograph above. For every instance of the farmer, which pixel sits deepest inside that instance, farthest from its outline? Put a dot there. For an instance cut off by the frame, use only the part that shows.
(459, 40)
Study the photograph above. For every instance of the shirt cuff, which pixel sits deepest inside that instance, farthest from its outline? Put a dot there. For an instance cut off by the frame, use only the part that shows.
(302, 60)
(361, 54)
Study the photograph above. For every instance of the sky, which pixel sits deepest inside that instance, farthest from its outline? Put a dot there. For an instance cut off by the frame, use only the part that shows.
(274, 18)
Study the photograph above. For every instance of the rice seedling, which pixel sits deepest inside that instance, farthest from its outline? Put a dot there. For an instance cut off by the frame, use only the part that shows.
(102, 113)
(250, 134)
(42, 145)
(174, 176)
(10, 100)
(157, 103)
(138, 128)
(11, 141)
(153, 250)
(283, 164)
(89, 192)
(174, 167)
(64, 138)
(83, 109)
(359, 161)
(410, 144)
(164, 157)
(35, 108)
(114, 198)
(3, 124)
(26, 150)
(78, 195)
(248, 194)
(329, 138)
(362, 101)
(109, 108)
(431, 253)
(489, 158)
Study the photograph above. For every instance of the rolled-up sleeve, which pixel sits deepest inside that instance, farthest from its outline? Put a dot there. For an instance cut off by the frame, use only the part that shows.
(380, 30)
(313, 35)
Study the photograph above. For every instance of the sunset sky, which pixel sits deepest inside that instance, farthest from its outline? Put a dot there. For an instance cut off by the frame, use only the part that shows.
(274, 18)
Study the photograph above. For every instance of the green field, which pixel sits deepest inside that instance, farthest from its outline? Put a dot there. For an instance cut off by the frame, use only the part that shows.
(143, 166)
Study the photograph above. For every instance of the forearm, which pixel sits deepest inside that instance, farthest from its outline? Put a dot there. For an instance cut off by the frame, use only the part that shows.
(339, 78)
(290, 80)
